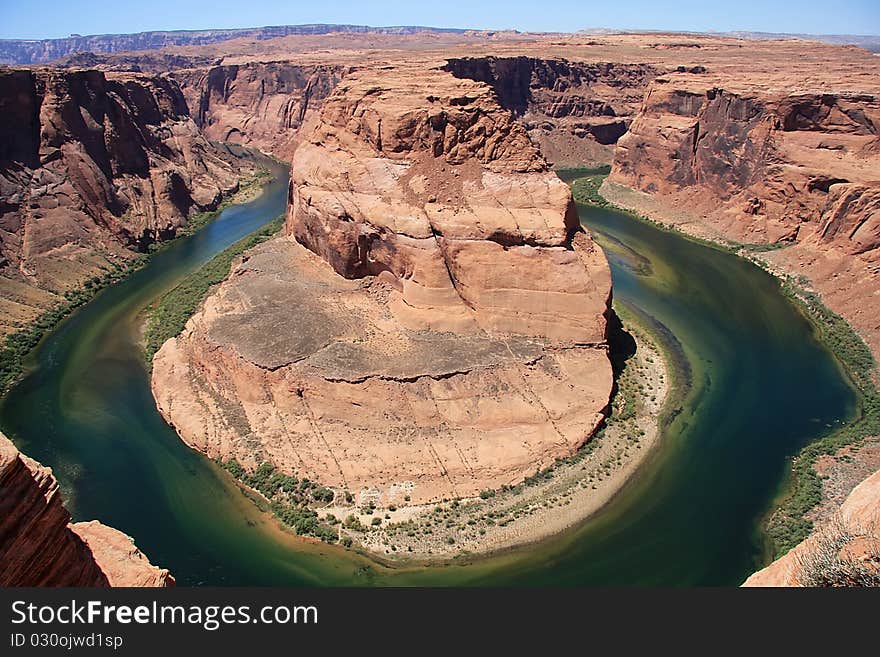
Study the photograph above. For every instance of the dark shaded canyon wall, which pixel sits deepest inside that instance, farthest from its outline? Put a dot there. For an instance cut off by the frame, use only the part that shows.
(39, 546)
(263, 105)
(574, 111)
(92, 167)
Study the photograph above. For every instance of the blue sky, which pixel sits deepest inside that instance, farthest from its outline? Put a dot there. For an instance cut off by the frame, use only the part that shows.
(58, 18)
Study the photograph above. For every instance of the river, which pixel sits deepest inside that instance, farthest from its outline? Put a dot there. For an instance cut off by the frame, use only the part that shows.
(761, 387)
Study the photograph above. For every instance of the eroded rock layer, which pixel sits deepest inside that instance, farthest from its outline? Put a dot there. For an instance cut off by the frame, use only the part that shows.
(40, 547)
(575, 111)
(432, 325)
(92, 166)
(755, 165)
(257, 104)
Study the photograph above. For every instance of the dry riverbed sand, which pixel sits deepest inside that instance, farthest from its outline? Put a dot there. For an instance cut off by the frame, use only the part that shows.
(550, 503)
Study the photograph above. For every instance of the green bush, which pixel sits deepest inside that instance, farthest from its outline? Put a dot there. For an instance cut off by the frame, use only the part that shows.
(787, 526)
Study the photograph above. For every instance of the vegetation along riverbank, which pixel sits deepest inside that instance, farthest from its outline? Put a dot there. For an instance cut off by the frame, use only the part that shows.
(18, 345)
(788, 520)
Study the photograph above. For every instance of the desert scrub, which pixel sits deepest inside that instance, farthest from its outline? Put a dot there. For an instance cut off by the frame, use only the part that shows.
(17, 345)
(787, 526)
(289, 498)
(167, 317)
(585, 184)
(828, 563)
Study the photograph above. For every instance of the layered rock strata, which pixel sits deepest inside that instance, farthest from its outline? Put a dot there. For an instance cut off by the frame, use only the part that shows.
(262, 105)
(433, 322)
(40, 547)
(575, 111)
(797, 168)
(92, 167)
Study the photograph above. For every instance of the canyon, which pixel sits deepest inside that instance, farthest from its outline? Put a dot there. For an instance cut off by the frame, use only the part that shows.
(432, 323)
(799, 170)
(94, 168)
(39, 546)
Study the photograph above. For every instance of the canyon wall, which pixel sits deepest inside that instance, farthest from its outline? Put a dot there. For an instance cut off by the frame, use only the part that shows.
(36, 51)
(800, 169)
(40, 547)
(575, 111)
(432, 324)
(92, 167)
(258, 104)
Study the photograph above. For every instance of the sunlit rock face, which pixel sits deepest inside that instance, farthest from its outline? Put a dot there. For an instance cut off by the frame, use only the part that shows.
(431, 325)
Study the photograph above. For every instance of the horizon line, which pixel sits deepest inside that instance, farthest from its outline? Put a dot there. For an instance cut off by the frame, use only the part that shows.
(587, 30)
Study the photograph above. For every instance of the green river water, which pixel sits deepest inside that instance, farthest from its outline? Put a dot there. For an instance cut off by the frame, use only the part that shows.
(760, 388)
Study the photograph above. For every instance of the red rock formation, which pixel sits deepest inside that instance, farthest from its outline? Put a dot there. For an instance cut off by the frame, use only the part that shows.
(257, 104)
(92, 165)
(575, 111)
(757, 166)
(772, 161)
(39, 546)
(444, 332)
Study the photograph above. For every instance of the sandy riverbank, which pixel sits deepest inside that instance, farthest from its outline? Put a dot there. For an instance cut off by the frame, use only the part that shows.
(548, 504)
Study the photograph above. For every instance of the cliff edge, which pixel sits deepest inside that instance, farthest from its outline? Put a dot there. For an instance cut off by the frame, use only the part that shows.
(39, 546)
(844, 552)
(431, 325)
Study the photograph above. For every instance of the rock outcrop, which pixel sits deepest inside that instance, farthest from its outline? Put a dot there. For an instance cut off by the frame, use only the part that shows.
(575, 111)
(853, 537)
(771, 162)
(433, 323)
(257, 104)
(92, 167)
(756, 166)
(40, 547)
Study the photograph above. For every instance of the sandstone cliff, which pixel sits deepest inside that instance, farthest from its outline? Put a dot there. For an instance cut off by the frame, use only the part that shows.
(575, 111)
(847, 546)
(764, 166)
(257, 104)
(432, 325)
(40, 547)
(92, 166)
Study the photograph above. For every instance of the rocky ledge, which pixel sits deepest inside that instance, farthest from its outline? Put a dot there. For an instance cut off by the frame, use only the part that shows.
(432, 324)
(40, 547)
